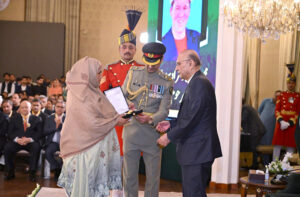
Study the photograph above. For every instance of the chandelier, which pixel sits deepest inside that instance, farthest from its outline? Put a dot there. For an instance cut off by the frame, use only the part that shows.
(263, 18)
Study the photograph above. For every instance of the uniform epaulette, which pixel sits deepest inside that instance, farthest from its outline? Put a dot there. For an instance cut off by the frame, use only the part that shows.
(137, 67)
(164, 76)
(140, 63)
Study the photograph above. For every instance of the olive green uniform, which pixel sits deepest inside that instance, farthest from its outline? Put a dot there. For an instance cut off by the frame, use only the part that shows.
(151, 92)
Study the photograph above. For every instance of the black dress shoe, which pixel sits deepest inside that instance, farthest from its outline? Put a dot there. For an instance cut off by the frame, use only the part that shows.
(9, 176)
(32, 177)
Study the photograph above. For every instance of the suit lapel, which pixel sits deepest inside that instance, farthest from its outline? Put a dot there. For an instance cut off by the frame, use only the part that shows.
(186, 92)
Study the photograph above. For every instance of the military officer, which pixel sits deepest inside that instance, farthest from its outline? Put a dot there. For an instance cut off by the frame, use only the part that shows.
(115, 73)
(286, 112)
(151, 90)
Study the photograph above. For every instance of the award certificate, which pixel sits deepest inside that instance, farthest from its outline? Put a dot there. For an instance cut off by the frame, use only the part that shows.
(117, 99)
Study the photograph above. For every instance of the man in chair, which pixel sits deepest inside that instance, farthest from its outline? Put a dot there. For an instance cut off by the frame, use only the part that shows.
(24, 133)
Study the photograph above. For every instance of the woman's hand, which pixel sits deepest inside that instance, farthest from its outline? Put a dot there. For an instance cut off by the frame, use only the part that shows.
(122, 121)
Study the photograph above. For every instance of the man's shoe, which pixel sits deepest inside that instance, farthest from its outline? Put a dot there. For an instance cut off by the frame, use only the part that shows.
(32, 177)
(9, 176)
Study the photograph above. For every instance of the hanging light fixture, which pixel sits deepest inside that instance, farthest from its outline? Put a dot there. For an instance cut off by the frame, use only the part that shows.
(263, 18)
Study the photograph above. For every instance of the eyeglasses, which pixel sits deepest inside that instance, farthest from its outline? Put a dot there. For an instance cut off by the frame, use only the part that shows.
(180, 62)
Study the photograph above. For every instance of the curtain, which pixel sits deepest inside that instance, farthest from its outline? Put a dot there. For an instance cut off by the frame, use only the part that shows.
(252, 48)
(59, 11)
(287, 53)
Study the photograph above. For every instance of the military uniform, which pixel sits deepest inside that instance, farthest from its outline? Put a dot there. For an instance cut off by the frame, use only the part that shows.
(287, 109)
(151, 92)
(114, 75)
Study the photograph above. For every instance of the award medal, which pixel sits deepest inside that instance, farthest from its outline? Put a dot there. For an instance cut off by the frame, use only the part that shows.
(156, 91)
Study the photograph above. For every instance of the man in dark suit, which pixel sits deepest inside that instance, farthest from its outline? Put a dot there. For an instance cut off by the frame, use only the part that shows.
(195, 131)
(24, 133)
(53, 126)
(3, 131)
(36, 109)
(6, 86)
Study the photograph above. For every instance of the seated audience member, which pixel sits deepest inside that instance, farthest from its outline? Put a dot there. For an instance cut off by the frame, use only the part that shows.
(36, 111)
(3, 131)
(53, 126)
(60, 97)
(29, 81)
(55, 88)
(30, 98)
(16, 99)
(4, 95)
(18, 81)
(46, 81)
(24, 133)
(43, 100)
(6, 86)
(7, 108)
(12, 79)
(49, 109)
(7, 114)
(53, 98)
(39, 88)
(62, 81)
(252, 125)
(24, 87)
(3, 134)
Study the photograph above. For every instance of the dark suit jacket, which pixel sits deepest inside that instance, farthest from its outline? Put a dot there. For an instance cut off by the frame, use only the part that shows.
(3, 125)
(50, 128)
(195, 132)
(28, 90)
(16, 128)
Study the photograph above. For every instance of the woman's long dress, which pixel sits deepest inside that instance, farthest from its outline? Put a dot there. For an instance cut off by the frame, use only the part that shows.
(95, 171)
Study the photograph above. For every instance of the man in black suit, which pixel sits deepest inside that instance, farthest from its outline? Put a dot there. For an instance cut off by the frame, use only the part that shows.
(53, 126)
(24, 133)
(6, 86)
(3, 131)
(195, 131)
(36, 109)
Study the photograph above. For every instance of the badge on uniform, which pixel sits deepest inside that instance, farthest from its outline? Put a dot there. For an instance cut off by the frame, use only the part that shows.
(156, 91)
(291, 99)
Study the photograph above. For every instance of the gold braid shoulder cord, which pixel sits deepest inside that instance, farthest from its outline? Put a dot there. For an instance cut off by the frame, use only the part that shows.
(133, 95)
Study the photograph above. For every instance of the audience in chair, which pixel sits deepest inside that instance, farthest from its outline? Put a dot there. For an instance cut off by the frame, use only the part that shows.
(24, 133)
(52, 129)
(6, 86)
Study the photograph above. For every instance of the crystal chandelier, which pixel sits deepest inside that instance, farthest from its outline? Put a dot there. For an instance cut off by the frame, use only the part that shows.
(263, 18)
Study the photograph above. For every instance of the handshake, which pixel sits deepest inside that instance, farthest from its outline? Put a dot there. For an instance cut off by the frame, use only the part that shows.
(284, 125)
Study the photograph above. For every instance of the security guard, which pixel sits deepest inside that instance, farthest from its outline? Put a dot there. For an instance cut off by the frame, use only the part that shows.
(151, 90)
(115, 73)
(286, 113)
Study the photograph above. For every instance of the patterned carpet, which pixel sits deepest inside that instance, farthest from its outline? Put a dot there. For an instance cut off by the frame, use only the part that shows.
(57, 192)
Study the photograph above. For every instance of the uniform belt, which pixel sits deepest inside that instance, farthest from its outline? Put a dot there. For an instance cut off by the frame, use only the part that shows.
(147, 113)
(284, 112)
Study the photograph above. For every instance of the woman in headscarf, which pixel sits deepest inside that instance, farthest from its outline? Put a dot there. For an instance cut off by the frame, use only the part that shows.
(89, 144)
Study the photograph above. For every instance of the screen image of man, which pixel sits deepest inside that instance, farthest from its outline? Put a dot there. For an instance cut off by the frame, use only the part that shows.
(179, 37)
(194, 132)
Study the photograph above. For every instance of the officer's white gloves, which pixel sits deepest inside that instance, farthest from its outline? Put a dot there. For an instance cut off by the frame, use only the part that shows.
(284, 125)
